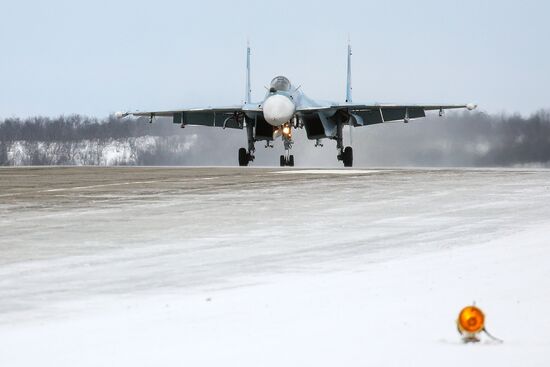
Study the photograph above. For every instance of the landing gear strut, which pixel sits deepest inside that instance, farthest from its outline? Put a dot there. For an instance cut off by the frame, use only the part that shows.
(344, 154)
(245, 156)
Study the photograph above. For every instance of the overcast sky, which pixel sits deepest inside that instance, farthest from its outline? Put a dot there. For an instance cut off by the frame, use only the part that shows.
(97, 57)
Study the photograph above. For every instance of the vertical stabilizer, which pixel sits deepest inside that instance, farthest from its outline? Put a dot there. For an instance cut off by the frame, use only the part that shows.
(248, 90)
(348, 83)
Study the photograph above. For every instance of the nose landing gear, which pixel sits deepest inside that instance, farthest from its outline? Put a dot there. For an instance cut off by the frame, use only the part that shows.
(287, 160)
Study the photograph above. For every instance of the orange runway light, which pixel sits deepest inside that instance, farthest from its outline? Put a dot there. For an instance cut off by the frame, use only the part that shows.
(471, 320)
(470, 323)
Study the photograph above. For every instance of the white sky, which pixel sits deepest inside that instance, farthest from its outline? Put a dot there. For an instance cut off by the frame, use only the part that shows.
(97, 57)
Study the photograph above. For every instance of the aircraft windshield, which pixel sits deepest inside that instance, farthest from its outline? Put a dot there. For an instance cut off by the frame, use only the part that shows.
(280, 83)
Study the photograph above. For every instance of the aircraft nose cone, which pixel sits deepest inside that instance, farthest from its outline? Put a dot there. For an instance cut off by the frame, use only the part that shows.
(278, 109)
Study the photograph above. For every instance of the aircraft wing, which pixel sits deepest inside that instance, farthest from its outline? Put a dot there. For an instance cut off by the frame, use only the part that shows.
(380, 113)
(225, 117)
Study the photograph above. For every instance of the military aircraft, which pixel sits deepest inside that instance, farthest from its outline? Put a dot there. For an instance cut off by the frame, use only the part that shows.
(285, 107)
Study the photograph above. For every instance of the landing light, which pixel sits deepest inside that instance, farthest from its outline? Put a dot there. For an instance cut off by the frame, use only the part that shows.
(286, 130)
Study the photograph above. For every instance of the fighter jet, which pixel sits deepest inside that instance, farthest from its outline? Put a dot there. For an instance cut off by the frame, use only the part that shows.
(285, 107)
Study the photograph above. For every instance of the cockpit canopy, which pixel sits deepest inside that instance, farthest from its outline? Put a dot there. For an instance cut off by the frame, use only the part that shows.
(280, 83)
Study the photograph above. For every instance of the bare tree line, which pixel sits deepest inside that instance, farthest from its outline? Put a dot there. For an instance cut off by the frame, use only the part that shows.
(80, 140)
(459, 139)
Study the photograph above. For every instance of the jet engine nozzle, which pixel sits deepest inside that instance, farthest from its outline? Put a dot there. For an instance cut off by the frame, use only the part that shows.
(278, 109)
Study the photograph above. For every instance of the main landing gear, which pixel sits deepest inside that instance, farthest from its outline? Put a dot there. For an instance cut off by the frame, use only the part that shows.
(344, 154)
(347, 157)
(245, 156)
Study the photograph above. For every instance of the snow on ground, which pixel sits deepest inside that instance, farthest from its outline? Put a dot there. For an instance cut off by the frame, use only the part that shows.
(255, 268)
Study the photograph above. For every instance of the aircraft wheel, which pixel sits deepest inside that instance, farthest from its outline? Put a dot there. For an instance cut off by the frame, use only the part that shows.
(243, 157)
(282, 161)
(347, 157)
(291, 161)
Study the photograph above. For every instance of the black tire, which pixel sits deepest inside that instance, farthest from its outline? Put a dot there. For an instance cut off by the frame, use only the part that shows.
(282, 161)
(243, 157)
(347, 157)
(291, 161)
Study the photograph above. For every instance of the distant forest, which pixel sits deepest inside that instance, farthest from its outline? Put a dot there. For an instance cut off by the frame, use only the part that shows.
(80, 140)
(459, 139)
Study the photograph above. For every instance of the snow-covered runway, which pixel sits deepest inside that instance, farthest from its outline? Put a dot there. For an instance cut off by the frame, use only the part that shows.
(227, 266)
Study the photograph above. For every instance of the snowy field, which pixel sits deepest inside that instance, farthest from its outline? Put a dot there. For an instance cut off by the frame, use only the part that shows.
(269, 267)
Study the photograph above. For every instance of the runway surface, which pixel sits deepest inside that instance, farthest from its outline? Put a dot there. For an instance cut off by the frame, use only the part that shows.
(247, 266)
